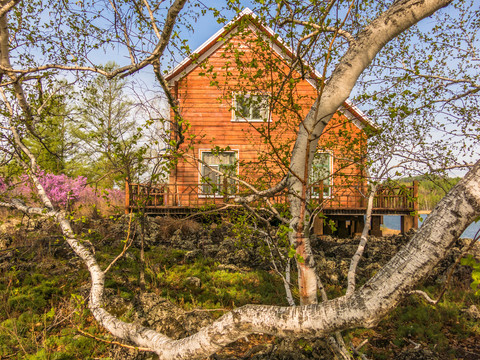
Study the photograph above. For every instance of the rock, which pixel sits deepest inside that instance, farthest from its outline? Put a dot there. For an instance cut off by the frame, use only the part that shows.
(160, 314)
(191, 255)
(5, 241)
(472, 312)
(176, 237)
(130, 256)
(417, 354)
(163, 316)
(193, 281)
(210, 250)
(117, 305)
(9, 225)
(223, 254)
(233, 268)
(217, 234)
(242, 256)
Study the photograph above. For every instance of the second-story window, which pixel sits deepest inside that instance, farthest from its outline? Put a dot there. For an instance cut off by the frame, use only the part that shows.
(251, 107)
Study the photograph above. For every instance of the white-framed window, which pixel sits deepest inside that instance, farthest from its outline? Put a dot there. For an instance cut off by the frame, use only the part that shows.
(251, 107)
(213, 182)
(321, 174)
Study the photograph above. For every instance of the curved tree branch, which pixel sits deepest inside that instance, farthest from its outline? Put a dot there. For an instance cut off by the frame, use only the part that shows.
(364, 307)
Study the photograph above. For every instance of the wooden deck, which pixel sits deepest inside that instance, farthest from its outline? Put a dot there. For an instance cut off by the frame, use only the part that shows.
(183, 199)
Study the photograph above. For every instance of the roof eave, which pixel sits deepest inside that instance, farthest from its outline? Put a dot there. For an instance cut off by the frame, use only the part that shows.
(225, 30)
(208, 44)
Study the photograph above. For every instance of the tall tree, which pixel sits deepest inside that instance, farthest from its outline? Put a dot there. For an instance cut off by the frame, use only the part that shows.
(364, 306)
(52, 144)
(107, 131)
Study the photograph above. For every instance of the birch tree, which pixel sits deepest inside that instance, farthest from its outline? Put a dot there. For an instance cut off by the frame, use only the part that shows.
(360, 307)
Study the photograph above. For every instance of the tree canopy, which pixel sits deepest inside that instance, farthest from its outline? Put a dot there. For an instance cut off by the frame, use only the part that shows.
(417, 73)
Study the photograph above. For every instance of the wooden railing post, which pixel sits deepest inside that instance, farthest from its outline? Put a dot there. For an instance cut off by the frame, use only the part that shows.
(415, 203)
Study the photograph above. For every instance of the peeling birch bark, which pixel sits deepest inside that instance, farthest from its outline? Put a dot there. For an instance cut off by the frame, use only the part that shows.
(352, 271)
(363, 308)
(400, 16)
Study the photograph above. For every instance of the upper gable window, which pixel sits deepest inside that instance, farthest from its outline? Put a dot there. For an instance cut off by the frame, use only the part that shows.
(251, 107)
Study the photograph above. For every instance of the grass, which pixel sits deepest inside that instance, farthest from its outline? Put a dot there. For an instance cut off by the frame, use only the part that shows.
(42, 304)
(440, 327)
(43, 290)
(220, 288)
(37, 316)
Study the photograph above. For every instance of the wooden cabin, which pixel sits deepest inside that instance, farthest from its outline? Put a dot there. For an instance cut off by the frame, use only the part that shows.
(241, 103)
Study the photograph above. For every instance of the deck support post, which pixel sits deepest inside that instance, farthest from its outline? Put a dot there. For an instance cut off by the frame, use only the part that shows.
(375, 228)
(318, 224)
(415, 204)
(327, 229)
(407, 223)
(358, 225)
(342, 227)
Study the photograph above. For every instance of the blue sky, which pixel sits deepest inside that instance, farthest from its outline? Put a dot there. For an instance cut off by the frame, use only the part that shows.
(204, 27)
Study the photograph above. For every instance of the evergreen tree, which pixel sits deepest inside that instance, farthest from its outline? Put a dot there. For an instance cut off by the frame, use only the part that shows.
(106, 132)
(52, 143)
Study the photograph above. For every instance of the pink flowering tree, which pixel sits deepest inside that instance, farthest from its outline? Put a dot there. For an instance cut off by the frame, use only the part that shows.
(64, 191)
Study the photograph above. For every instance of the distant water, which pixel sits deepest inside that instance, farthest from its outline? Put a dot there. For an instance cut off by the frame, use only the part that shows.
(393, 222)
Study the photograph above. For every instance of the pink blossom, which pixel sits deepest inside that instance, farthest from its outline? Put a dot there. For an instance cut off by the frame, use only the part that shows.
(63, 190)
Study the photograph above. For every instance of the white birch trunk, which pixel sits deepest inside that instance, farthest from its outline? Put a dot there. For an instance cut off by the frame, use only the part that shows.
(400, 16)
(364, 307)
(352, 271)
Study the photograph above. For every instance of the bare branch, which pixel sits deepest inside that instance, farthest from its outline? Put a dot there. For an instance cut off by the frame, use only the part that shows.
(450, 272)
(54, 66)
(439, 77)
(16, 204)
(128, 242)
(124, 30)
(124, 71)
(263, 193)
(161, 45)
(425, 295)
(152, 19)
(177, 121)
(113, 342)
(363, 242)
(345, 34)
(240, 200)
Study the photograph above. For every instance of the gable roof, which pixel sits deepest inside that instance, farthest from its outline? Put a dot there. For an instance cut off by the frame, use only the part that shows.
(188, 64)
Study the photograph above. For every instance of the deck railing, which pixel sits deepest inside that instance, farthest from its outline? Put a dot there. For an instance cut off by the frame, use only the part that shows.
(158, 198)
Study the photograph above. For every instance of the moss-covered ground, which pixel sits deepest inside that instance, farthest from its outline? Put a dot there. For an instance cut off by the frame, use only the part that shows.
(43, 290)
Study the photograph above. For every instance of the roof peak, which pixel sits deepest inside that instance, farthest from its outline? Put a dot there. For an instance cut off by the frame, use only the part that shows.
(246, 11)
(227, 28)
(215, 41)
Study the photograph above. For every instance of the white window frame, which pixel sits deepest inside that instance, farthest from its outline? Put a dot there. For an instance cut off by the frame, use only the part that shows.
(327, 195)
(201, 193)
(236, 118)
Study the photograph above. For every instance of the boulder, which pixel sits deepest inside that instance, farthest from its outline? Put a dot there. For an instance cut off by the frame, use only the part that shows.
(162, 315)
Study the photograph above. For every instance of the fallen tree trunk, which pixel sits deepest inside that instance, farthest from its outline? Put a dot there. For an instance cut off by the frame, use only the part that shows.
(363, 308)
